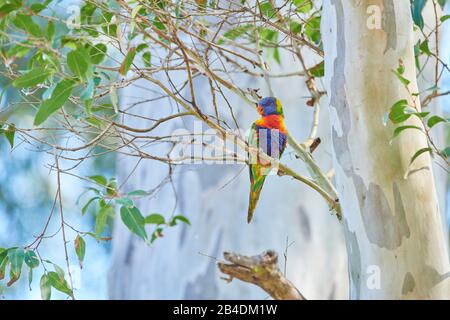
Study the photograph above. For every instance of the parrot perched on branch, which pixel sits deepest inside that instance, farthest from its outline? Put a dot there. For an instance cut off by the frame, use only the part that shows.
(267, 134)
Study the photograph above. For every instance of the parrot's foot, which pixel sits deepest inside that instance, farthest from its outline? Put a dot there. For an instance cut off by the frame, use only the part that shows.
(281, 173)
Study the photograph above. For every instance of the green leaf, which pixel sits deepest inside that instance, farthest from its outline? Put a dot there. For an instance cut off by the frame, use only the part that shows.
(79, 62)
(59, 96)
(126, 64)
(3, 265)
(98, 53)
(416, 10)
(155, 219)
(435, 120)
(147, 59)
(88, 92)
(397, 113)
(27, 24)
(46, 289)
(50, 30)
(446, 152)
(108, 27)
(418, 153)
(86, 206)
(425, 48)
(80, 249)
(318, 70)
(101, 180)
(237, 32)
(268, 36)
(114, 98)
(134, 12)
(32, 78)
(156, 234)
(31, 259)
(141, 47)
(312, 30)
(138, 193)
(30, 277)
(38, 7)
(398, 130)
(10, 132)
(102, 217)
(276, 55)
(295, 27)
(174, 220)
(3, 254)
(6, 8)
(402, 79)
(17, 51)
(59, 270)
(111, 188)
(134, 221)
(303, 6)
(445, 18)
(124, 201)
(16, 257)
(267, 9)
(59, 283)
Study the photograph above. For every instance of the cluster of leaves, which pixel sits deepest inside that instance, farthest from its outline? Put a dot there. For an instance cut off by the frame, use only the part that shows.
(107, 197)
(15, 259)
(417, 7)
(402, 110)
(65, 63)
(305, 24)
(422, 45)
(74, 64)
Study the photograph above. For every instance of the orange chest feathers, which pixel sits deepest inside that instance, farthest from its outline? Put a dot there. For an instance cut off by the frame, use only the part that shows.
(272, 122)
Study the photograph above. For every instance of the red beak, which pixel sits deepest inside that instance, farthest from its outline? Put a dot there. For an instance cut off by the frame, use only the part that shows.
(260, 110)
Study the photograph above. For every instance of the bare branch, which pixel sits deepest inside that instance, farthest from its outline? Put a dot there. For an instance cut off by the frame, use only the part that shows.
(261, 270)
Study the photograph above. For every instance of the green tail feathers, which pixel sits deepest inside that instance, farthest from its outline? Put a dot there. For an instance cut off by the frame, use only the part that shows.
(255, 191)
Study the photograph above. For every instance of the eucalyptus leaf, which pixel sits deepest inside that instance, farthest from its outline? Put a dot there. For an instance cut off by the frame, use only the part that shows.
(155, 219)
(60, 95)
(134, 221)
(79, 62)
(128, 60)
(46, 288)
(32, 78)
(80, 249)
(31, 259)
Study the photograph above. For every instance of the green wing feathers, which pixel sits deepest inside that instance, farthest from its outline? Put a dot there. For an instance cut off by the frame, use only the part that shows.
(257, 179)
(257, 175)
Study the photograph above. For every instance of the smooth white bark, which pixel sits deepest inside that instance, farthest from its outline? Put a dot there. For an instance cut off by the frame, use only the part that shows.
(393, 229)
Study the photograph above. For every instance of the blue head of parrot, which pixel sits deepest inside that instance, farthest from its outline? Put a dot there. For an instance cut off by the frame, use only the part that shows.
(269, 106)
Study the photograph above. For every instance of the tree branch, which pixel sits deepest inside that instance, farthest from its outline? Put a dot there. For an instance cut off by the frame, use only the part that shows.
(261, 270)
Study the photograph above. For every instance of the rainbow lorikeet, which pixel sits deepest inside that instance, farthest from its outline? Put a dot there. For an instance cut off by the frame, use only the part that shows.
(268, 134)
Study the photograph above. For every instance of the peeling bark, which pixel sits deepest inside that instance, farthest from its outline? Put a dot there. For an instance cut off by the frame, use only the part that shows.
(391, 223)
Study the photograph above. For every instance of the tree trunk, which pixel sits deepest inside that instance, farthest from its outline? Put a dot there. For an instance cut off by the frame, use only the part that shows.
(395, 241)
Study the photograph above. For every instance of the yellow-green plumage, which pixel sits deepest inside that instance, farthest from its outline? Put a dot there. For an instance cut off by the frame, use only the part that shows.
(257, 178)
(270, 128)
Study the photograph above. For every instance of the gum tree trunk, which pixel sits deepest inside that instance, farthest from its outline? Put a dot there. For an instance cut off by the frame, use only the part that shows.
(394, 234)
